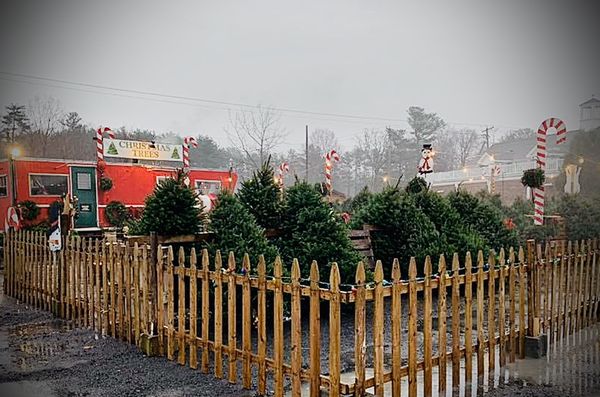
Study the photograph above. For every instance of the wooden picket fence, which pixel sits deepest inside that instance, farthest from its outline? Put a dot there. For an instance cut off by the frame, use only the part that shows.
(232, 319)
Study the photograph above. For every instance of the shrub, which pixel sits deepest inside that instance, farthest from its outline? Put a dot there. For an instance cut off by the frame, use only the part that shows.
(29, 210)
(581, 215)
(262, 197)
(172, 209)
(484, 218)
(416, 185)
(313, 231)
(236, 231)
(405, 230)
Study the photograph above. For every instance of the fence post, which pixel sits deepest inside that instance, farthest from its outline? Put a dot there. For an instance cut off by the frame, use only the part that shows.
(531, 289)
(153, 290)
(378, 324)
(480, 336)
(455, 322)
(262, 326)
(315, 332)
(502, 308)
(427, 337)
(412, 329)
(468, 322)
(231, 319)
(296, 330)
(246, 324)
(205, 309)
(180, 308)
(278, 328)
(194, 307)
(359, 330)
(442, 348)
(334, 331)
(219, 316)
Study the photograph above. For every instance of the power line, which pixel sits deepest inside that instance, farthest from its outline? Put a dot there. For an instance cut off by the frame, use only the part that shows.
(201, 100)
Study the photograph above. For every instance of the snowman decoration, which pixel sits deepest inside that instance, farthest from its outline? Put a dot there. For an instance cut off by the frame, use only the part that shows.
(426, 162)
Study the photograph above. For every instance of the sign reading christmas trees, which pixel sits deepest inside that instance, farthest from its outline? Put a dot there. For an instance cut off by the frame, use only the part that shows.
(142, 150)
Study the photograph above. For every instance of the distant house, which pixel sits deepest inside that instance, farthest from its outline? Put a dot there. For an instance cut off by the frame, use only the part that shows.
(513, 158)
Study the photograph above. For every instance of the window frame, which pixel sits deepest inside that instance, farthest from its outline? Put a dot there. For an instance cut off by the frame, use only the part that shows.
(66, 176)
(5, 177)
(200, 181)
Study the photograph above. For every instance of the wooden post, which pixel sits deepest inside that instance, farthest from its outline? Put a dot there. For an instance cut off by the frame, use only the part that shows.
(105, 308)
(502, 309)
(127, 281)
(231, 319)
(160, 304)
(218, 316)
(531, 286)
(247, 324)
(194, 308)
(560, 289)
(113, 279)
(180, 309)
(359, 331)
(153, 290)
(512, 347)
(396, 329)
(97, 288)
(315, 332)
(522, 298)
(334, 332)
(121, 257)
(170, 306)
(480, 336)
(278, 328)
(427, 337)
(412, 329)
(455, 322)
(145, 306)
(442, 324)
(205, 309)
(296, 330)
(378, 324)
(262, 327)
(468, 320)
(491, 314)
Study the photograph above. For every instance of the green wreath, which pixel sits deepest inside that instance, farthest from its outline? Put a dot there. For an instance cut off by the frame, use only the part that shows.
(29, 210)
(533, 178)
(116, 213)
(105, 183)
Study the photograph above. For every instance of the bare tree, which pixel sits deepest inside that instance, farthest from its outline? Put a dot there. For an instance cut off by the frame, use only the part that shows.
(465, 143)
(370, 157)
(45, 115)
(324, 140)
(256, 133)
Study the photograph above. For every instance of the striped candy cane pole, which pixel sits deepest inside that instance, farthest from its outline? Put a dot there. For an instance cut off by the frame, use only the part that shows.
(100, 141)
(329, 158)
(283, 169)
(187, 141)
(561, 137)
(495, 172)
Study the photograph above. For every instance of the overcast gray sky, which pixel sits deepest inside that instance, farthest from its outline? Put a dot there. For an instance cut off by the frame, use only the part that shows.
(501, 63)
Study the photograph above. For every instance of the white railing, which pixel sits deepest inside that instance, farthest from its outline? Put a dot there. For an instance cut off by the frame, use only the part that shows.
(508, 170)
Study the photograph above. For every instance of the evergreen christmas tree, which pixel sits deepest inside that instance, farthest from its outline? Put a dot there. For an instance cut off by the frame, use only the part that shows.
(172, 209)
(313, 231)
(175, 154)
(112, 149)
(236, 230)
(262, 197)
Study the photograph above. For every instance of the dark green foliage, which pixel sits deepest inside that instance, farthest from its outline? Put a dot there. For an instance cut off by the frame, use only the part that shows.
(581, 215)
(484, 218)
(406, 230)
(534, 178)
(416, 185)
(313, 231)
(236, 230)
(172, 209)
(29, 210)
(455, 235)
(116, 213)
(352, 205)
(262, 197)
(520, 212)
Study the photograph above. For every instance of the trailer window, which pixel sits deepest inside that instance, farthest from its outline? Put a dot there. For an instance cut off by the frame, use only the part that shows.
(47, 185)
(206, 187)
(3, 186)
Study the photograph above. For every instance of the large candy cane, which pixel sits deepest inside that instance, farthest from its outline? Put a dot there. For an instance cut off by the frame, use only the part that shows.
(329, 158)
(561, 137)
(494, 172)
(100, 141)
(187, 141)
(283, 169)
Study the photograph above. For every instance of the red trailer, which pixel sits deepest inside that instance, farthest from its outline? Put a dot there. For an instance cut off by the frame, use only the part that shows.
(45, 181)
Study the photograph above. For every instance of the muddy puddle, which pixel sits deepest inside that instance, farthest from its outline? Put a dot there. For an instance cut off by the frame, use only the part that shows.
(36, 344)
(572, 366)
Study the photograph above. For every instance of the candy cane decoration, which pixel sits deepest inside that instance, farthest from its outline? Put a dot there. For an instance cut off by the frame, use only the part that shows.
(283, 169)
(329, 157)
(187, 141)
(561, 137)
(494, 172)
(100, 141)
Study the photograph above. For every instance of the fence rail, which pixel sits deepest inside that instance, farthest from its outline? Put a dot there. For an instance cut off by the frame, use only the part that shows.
(284, 330)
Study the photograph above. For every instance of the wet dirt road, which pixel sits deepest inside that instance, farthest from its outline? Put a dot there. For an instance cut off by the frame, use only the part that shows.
(42, 356)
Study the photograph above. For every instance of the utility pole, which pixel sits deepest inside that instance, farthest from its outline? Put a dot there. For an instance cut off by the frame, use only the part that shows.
(486, 135)
(306, 158)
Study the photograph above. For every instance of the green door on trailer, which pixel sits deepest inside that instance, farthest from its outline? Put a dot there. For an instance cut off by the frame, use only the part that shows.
(83, 182)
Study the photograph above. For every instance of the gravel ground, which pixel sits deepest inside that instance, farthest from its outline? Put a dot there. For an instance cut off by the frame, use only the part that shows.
(40, 355)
